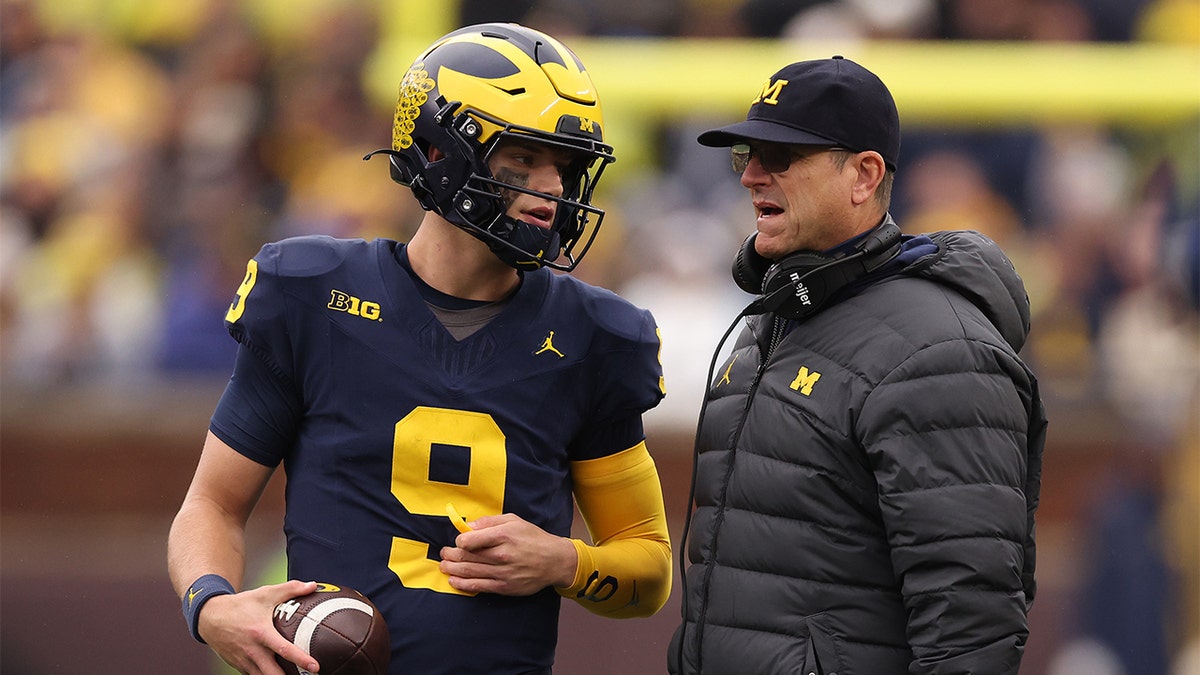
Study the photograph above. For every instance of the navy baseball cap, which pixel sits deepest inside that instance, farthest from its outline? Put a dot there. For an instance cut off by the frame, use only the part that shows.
(830, 101)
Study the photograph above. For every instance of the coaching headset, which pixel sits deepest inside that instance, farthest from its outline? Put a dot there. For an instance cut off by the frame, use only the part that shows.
(801, 283)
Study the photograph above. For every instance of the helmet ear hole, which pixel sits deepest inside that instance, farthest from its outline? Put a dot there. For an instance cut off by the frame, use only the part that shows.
(403, 172)
(398, 171)
(430, 152)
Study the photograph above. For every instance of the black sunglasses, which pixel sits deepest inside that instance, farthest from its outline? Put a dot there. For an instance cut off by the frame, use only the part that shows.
(774, 157)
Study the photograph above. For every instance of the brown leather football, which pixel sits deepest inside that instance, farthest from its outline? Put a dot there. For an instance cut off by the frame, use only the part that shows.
(339, 627)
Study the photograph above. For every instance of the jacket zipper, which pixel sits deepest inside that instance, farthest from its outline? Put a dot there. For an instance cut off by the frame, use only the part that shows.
(778, 326)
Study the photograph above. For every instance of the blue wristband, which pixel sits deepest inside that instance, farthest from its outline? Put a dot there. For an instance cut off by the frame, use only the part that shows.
(201, 591)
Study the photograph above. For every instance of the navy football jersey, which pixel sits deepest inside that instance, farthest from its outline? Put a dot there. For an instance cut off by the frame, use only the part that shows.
(381, 419)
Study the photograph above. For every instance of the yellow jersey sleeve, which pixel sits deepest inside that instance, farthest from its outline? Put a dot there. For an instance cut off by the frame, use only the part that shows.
(627, 573)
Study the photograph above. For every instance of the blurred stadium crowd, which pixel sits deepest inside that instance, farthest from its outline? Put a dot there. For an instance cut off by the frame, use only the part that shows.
(148, 148)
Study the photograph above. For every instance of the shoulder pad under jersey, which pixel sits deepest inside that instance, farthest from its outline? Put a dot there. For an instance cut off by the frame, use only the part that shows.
(259, 315)
(306, 256)
(611, 313)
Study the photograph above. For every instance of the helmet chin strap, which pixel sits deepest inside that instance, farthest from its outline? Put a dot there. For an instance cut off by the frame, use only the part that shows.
(511, 240)
(522, 238)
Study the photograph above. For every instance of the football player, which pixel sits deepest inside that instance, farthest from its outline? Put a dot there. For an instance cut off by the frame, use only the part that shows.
(437, 405)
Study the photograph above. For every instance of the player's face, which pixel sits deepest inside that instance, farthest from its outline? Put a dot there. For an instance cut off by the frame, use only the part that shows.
(803, 206)
(533, 166)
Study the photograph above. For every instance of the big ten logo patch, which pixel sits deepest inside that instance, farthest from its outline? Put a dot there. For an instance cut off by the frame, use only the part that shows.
(344, 302)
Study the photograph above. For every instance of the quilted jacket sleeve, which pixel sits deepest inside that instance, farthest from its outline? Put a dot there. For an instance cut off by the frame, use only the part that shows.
(946, 434)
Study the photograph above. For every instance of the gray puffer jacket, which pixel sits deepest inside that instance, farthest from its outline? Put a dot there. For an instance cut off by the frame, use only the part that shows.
(866, 485)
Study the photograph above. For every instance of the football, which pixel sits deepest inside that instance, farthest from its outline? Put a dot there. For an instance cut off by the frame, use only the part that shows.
(339, 627)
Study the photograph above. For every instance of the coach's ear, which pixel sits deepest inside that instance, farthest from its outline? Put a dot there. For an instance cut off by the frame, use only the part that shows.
(869, 169)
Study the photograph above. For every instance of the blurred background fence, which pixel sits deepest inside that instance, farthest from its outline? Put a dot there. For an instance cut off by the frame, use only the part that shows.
(149, 147)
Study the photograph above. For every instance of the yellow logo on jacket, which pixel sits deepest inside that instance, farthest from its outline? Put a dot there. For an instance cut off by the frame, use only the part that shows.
(805, 380)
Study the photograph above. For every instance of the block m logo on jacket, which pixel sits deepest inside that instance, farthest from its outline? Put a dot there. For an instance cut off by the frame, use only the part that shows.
(805, 380)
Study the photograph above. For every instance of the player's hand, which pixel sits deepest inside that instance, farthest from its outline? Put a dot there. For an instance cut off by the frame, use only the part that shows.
(510, 556)
(239, 629)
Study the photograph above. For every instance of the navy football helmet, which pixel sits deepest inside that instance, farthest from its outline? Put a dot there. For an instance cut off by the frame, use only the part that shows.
(471, 89)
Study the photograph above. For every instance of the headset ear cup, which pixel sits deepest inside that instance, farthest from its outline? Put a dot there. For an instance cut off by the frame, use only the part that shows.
(802, 282)
(807, 291)
(750, 267)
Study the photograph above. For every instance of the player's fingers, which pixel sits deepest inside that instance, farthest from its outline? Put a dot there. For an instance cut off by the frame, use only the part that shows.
(482, 552)
(254, 660)
(485, 578)
(492, 521)
(483, 538)
(459, 555)
(466, 569)
(278, 593)
(478, 584)
(292, 653)
(265, 665)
